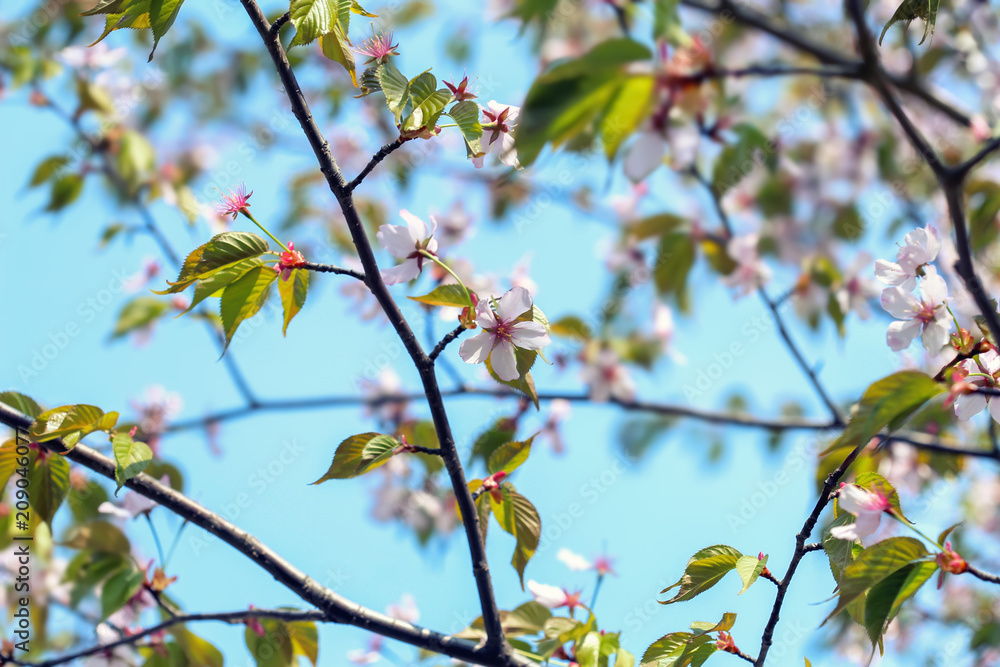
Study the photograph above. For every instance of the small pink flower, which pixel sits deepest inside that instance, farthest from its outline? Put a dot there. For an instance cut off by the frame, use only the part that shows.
(236, 202)
(750, 272)
(498, 128)
(461, 91)
(725, 643)
(949, 561)
(602, 565)
(921, 248)
(866, 505)
(967, 376)
(409, 243)
(503, 334)
(554, 597)
(288, 260)
(492, 485)
(255, 625)
(378, 48)
(927, 316)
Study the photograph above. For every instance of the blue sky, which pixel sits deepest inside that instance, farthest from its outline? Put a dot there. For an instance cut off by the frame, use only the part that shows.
(650, 515)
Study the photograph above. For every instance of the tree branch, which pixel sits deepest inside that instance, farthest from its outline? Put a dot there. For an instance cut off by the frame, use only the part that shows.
(496, 644)
(450, 336)
(330, 268)
(979, 574)
(800, 551)
(233, 617)
(382, 154)
(336, 608)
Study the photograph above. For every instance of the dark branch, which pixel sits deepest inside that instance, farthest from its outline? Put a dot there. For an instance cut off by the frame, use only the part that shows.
(330, 268)
(378, 157)
(451, 335)
(496, 644)
(812, 546)
(985, 576)
(278, 24)
(800, 551)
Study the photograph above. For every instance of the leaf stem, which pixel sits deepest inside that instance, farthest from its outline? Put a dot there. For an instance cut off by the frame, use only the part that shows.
(248, 214)
(156, 538)
(434, 258)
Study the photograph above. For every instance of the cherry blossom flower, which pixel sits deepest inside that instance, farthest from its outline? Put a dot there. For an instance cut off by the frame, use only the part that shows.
(453, 227)
(386, 385)
(236, 202)
(866, 505)
(725, 643)
(949, 561)
(132, 505)
(750, 273)
(921, 248)
(559, 411)
(645, 155)
(603, 566)
(135, 282)
(554, 597)
(503, 334)
(855, 292)
(497, 128)
(155, 410)
(98, 56)
(128, 616)
(927, 316)
(367, 657)
(407, 243)
(608, 378)
(971, 374)
(288, 260)
(378, 48)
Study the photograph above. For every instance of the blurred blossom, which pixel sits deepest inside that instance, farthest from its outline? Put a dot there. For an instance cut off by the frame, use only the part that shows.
(573, 561)
(132, 505)
(750, 272)
(367, 656)
(626, 207)
(856, 291)
(155, 409)
(117, 657)
(404, 610)
(454, 226)
(519, 276)
(386, 385)
(607, 378)
(138, 280)
(559, 411)
(98, 56)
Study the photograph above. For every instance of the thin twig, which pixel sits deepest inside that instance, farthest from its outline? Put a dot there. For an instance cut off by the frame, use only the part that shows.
(985, 576)
(330, 268)
(278, 24)
(451, 335)
(378, 157)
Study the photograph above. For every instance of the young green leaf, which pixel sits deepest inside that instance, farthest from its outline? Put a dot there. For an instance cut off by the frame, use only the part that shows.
(337, 47)
(138, 313)
(749, 568)
(466, 116)
(509, 456)
(359, 454)
(914, 9)
(131, 458)
(293, 294)
(444, 295)
(243, 298)
(71, 422)
(395, 86)
(875, 564)
(517, 516)
(48, 480)
(674, 259)
(704, 570)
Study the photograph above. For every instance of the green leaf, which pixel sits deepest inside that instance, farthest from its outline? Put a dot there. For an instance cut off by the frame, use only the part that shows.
(704, 570)
(395, 87)
(305, 640)
(427, 102)
(198, 651)
(655, 225)
(887, 402)
(119, 589)
(273, 649)
(131, 458)
(565, 100)
(914, 9)
(243, 298)
(749, 568)
(47, 169)
(737, 161)
(215, 283)
(162, 14)
(509, 456)
(293, 294)
(136, 158)
(48, 484)
(679, 648)
(572, 327)
(872, 481)
(675, 257)
(588, 650)
(527, 619)
(500, 432)
(223, 251)
(359, 454)
(667, 23)
(466, 116)
(8, 461)
(875, 564)
(724, 625)
(517, 516)
(624, 659)
(20, 402)
(65, 190)
(337, 48)
(885, 598)
(312, 18)
(70, 422)
(99, 536)
(839, 552)
(138, 313)
(629, 107)
(444, 295)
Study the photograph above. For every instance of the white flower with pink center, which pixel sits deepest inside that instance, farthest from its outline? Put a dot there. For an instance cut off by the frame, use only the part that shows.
(607, 378)
(920, 249)
(498, 126)
(503, 334)
(409, 243)
(927, 316)
(981, 374)
(867, 506)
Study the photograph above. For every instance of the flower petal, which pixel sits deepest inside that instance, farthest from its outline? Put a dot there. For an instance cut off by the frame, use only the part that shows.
(402, 273)
(901, 334)
(416, 227)
(513, 304)
(890, 273)
(644, 156)
(969, 405)
(504, 361)
(529, 335)
(935, 334)
(396, 239)
(995, 409)
(990, 361)
(475, 350)
(898, 303)
(933, 288)
(848, 532)
(867, 524)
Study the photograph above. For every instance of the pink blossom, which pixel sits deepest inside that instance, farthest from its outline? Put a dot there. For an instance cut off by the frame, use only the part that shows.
(288, 260)
(404, 610)
(645, 155)
(855, 292)
(498, 125)
(927, 317)
(236, 202)
(920, 249)
(121, 656)
(607, 378)
(750, 273)
(949, 561)
(132, 505)
(460, 91)
(503, 333)
(378, 48)
(866, 505)
(971, 374)
(367, 657)
(407, 243)
(554, 597)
